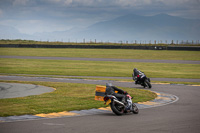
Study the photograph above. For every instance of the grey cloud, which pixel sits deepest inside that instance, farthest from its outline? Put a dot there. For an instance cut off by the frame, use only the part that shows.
(65, 14)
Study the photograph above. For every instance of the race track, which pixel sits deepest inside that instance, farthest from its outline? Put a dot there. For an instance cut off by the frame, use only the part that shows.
(103, 59)
(182, 116)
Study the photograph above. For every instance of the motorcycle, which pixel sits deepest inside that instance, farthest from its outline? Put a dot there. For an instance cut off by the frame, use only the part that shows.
(118, 107)
(140, 78)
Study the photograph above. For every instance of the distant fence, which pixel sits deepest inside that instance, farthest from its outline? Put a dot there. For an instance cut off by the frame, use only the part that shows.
(188, 48)
(95, 41)
(169, 42)
(177, 42)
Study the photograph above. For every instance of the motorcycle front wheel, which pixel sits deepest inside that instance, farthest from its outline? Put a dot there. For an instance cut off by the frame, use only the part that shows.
(135, 109)
(116, 108)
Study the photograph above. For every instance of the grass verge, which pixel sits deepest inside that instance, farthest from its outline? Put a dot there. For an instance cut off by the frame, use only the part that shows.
(97, 68)
(67, 97)
(103, 53)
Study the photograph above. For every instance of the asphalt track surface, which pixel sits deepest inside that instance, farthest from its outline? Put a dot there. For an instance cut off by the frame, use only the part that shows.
(182, 116)
(104, 59)
(13, 90)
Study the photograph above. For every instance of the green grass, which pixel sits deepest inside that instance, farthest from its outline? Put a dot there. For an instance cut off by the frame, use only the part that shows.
(67, 97)
(70, 96)
(103, 53)
(97, 68)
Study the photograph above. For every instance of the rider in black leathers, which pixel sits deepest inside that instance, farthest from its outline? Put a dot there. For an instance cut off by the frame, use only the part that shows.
(135, 73)
(110, 90)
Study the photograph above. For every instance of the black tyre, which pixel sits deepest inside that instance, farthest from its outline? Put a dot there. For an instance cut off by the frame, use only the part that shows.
(135, 109)
(147, 84)
(116, 108)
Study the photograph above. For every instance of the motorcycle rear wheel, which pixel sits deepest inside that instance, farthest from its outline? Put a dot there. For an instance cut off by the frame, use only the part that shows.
(147, 84)
(117, 109)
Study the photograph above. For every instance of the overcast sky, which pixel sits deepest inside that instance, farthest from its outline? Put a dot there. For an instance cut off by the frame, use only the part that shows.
(30, 16)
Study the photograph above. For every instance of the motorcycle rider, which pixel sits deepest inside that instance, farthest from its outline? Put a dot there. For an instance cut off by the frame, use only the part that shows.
(136, 74)
(110, 90)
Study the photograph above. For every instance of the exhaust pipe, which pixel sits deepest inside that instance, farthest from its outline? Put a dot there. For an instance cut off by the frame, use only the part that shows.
(119, 102)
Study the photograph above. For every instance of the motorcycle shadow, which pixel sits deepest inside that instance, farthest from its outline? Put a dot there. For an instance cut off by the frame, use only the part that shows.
(142, 88)
(111, 114)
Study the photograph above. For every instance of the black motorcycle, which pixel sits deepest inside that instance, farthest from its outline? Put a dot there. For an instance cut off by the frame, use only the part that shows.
(140, 78)
(118, 107)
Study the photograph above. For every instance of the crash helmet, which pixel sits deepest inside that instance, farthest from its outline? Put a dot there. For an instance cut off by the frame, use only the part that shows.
(108, 84)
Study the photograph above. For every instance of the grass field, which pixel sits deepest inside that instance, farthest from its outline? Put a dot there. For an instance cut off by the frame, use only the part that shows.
(97, 68)
(103, 53)
(100, 68)
(67, 95)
